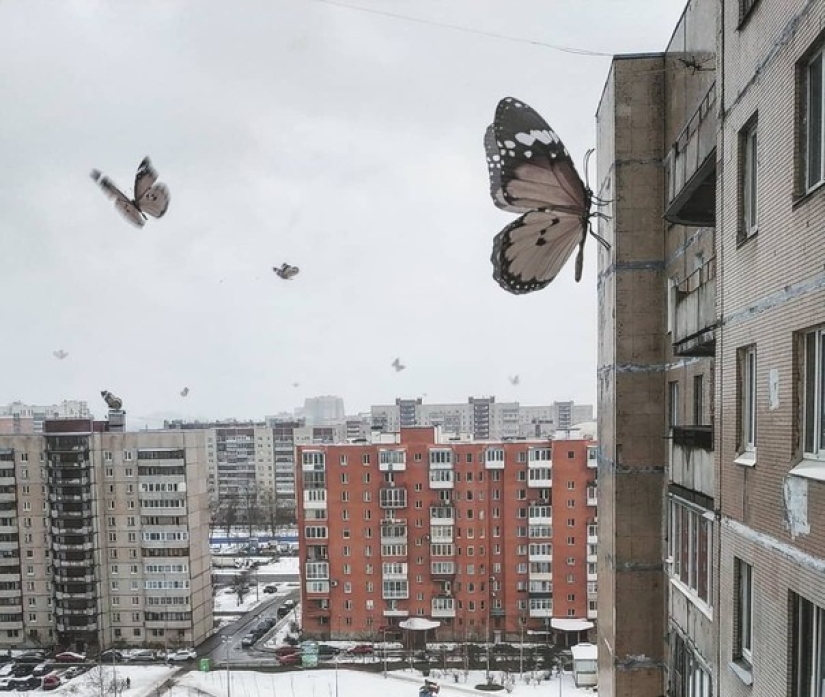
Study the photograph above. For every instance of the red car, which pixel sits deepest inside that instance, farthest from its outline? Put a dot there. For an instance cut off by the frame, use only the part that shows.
(362, 650)
(289, 659)
(286, 650)
(69, 657)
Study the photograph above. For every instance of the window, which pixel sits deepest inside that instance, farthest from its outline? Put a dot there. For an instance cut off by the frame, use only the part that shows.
(807, 649)
(689, 677)
(747, 399)
(690, 548)
(744, 610)
(698, 400)
(672, 404)
(749, 163)
(813, 135)
(813, 404)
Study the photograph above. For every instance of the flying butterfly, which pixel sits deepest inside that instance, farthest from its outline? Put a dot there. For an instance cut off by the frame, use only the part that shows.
(286, 271)
(531, 173)
(151, 196)
(514, 380)
(184, 392)
(60, 355)
(398, 365)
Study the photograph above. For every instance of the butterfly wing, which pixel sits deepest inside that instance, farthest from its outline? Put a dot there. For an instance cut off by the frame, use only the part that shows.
(530, 252)
(150, 197)
(529, 166)
(122, 202)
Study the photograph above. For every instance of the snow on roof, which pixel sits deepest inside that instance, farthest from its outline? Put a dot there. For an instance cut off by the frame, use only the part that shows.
(570, 625)
(418, 623)
(584, 652)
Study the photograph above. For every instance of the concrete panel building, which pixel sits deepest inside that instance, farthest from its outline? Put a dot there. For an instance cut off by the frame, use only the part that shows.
(103, 538)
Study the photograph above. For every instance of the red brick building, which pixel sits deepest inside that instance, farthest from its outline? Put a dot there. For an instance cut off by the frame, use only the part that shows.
(461, 532)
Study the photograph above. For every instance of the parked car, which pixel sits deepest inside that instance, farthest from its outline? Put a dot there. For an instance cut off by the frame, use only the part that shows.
(361, 650)
(6, 685)
(51, 681)
(22, 669)
(248, 640)
(286, 650)
(267, 622)
(270, 588)
(42, 669)
(182, 655)
(69, 657)
(111, 656)
(290, 659)
(29, 682)
(5, 671)
(327, 651)
(33, 657)
(142, 655)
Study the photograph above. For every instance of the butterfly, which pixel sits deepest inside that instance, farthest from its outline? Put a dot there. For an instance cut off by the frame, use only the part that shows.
(397, 365)
(286, 271)
(60, 355)
(151, 198)
(184, 392)
(531, 173)
(112, 402)
(514, 380)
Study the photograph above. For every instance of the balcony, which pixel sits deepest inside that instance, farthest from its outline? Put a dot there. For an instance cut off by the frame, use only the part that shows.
(694, 313)
(592, 496)
(540, 477)
(494, 459)
(315, 499)
(396, 612)
(591, 614)
(541, 612)
(392, 461)
(443, 607)
(592, 576)
(393, 497)
(691, 458)
(593, 457)
(691, 168)
(316, 587)
(442, 569)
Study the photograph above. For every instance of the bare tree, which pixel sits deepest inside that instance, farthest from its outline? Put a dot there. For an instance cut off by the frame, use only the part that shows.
(240, 585)
(229, 512)
(103, 680)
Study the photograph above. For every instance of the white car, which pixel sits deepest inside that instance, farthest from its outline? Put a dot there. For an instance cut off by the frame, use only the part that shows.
(182, 655)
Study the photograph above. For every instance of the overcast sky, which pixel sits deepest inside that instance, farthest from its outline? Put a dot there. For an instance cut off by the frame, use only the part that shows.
(346, 142)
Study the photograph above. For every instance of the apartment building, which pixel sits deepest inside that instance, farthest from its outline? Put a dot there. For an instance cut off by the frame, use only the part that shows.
(102, 537)
(18, 417)
(482, 417)
(712, 308)
(416, 524)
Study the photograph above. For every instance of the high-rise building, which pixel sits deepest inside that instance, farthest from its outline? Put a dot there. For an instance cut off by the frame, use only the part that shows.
(102, 537)
(712, 308)
(419, 525)
(18, 417)
(326, 410)
(482, 417)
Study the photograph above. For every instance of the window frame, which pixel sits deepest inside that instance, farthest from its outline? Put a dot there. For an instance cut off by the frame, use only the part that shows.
(806, 137)
(749, 180)
(748, 382)
(807, 648)
(744, 611)
(812, 394)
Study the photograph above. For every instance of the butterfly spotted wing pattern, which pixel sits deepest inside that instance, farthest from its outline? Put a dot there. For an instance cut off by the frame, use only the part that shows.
(150, 197)
(532, 173)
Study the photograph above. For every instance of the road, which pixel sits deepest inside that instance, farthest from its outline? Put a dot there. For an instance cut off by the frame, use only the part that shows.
(216, 646)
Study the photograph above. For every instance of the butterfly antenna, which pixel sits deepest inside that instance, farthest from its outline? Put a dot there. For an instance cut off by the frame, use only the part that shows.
(587, 157)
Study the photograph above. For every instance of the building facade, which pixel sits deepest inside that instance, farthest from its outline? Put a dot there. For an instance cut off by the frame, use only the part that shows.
(712, 307)
(29, 418)
(482, 417)
(102, 538)
(418, 525)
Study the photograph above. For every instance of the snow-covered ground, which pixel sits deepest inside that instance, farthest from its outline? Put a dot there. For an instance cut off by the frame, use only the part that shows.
(226, 600)
(348, 683)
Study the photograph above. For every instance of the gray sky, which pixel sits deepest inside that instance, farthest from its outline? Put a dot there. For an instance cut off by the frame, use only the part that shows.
(348, 143)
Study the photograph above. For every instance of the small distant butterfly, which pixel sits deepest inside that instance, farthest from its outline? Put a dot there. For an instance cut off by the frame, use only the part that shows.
(397, 365)
(286, 271)
(111, 401)
(184, 392)
(60, 355)
(150, 198)
(514, 380)
(531, 173)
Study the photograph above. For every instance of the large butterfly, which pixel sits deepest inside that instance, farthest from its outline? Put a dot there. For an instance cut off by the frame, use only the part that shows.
(531, 173)
(150, 198)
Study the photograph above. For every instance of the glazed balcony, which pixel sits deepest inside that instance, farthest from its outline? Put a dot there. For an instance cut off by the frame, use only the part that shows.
(691, 168)
(694, 313)
(691, 457)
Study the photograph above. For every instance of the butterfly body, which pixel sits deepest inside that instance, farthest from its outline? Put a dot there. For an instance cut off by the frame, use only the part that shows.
(61, 354)
(532, 173)
(398, 365)
(151, 196)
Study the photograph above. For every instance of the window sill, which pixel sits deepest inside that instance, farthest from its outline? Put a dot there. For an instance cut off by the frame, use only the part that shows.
(810, 468)
(746, 459)
(806, 195)
(742, 670)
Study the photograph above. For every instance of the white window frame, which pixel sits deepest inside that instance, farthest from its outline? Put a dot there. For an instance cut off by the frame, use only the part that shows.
(744, 610)
(807, 648)
(748, 382)
(814, 127)
(750, 180)
(813, 394)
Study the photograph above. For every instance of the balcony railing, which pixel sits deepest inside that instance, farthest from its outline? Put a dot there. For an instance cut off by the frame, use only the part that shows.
(691, 168)
(694, 325)
(693, 437)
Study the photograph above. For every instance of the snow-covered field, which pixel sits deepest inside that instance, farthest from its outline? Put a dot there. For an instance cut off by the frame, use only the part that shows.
(349, 683)
(226, 600)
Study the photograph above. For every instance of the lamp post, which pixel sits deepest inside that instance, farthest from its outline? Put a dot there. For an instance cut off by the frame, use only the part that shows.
(228, 674)
(384, 647)
(521, 650)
